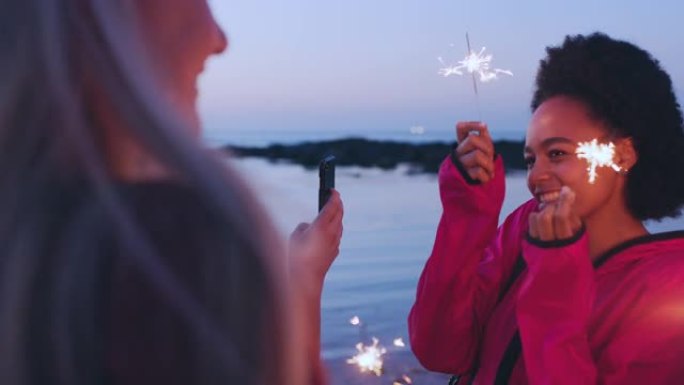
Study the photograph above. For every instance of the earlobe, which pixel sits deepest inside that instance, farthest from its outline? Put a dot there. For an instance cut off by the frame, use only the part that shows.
(626, 155)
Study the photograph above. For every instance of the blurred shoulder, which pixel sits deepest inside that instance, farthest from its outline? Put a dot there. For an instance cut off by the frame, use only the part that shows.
(165, 200)
(169, 209)
(174, 218)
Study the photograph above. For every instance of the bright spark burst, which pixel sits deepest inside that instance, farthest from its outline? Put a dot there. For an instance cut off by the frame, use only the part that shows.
(369, 358)
(398, 342)
(473, 63)
(355, 321)
(597, 155)
(404, 380)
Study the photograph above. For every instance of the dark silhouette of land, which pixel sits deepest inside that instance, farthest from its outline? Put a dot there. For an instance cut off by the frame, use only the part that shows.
(421, 157)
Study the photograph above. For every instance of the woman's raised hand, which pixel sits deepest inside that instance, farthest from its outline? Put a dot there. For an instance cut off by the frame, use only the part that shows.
(557, 220)
(475, 150)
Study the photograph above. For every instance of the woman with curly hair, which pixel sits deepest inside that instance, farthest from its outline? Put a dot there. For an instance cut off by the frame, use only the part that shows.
(571, 288)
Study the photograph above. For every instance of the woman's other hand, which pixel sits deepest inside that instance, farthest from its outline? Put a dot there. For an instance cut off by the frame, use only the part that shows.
(314, 247)
(557, 220)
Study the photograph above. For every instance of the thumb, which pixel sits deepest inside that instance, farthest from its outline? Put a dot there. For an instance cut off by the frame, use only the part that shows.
(567, 196)
(565, 200)
(299, 230)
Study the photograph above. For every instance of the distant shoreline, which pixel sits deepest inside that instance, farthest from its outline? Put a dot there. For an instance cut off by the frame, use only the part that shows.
(385, 154)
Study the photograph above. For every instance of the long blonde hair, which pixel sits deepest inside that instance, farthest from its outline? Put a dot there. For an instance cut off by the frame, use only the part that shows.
(48, 133)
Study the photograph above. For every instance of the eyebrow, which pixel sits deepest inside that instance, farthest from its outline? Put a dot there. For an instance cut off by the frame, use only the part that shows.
(551, 141)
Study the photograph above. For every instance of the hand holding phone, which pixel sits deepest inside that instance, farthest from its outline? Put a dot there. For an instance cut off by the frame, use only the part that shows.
(326, 175)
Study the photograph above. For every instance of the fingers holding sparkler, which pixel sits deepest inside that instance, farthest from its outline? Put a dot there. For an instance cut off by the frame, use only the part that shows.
(475, 150)
(476, 142)
(478, 166)
(466, 129)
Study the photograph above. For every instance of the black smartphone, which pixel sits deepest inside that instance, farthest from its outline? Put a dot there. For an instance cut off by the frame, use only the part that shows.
(326, 178)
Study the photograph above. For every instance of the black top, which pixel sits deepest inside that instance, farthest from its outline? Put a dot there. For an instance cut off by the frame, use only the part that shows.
(122, 327)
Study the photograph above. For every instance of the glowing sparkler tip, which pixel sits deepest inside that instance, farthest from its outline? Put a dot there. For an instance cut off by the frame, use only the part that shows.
(355, 321)
(403, 380)
(369, 358)
(399, 342)
(474, 63)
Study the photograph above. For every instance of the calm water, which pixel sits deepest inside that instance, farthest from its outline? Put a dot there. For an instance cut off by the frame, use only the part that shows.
(389, 227)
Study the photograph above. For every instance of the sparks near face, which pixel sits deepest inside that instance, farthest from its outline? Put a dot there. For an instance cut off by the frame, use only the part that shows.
(597, 155)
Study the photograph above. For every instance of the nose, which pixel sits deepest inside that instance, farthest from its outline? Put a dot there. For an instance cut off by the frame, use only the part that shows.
(537, 174)
(221, 44)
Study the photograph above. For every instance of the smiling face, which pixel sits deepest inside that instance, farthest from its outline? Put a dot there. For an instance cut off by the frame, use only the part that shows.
(180, 35)
(556, 128)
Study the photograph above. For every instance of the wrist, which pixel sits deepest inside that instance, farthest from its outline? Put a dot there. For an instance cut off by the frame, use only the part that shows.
(306, 282)
(556, 242)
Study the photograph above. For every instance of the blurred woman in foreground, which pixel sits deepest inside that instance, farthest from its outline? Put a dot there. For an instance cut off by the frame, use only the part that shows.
(129, 254)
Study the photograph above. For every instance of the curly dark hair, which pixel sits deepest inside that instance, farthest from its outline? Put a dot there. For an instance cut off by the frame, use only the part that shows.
(626, 89)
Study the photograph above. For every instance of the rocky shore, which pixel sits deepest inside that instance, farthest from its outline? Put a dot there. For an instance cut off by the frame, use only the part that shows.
(420, 157)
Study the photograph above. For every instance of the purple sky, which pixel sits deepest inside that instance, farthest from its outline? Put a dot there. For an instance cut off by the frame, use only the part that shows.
(371, 65)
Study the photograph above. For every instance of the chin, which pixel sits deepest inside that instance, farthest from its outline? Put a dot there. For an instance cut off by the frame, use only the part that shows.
(191, 117)
(195, 125)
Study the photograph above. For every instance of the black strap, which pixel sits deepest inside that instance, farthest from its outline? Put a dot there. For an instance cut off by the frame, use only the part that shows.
(509, 360)
(510, 357)
(518, 268)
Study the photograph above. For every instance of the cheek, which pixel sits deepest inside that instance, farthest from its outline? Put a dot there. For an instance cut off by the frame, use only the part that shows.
(573, 174)
(530, 187)
(591, 196)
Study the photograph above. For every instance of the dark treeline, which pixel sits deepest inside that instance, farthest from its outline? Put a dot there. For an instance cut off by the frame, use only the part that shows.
(422, 157)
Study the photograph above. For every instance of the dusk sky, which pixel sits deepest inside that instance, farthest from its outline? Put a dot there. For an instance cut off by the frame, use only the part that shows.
(370, 66)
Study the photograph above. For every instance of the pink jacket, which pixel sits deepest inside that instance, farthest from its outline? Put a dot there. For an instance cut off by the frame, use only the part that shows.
(621, 322)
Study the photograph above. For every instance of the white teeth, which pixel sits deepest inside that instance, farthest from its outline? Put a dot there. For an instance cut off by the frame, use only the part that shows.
(549, 197)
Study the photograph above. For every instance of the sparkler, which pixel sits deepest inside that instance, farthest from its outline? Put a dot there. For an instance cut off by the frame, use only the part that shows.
(404, 380)
(597, 155)
(473, 63)
(369, 358)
